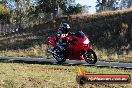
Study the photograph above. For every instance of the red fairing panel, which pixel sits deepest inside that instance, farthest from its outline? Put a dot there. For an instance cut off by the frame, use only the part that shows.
(52, 41)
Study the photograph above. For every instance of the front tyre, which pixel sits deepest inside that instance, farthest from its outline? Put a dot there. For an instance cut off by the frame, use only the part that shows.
(60, 57)
(90, 57)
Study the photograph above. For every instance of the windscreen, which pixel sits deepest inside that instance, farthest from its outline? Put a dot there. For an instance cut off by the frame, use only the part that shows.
(80, 34)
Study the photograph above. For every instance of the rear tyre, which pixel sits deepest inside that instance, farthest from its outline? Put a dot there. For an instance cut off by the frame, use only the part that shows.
(90, 57)
(59, 56)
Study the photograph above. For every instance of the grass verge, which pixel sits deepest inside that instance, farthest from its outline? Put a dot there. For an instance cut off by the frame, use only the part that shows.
(39, 51)
(14, 75)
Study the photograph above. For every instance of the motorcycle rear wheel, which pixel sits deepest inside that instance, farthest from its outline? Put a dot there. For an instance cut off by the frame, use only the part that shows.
(90, 57)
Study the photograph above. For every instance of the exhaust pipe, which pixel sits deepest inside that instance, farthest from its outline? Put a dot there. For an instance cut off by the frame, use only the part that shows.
(50, 51)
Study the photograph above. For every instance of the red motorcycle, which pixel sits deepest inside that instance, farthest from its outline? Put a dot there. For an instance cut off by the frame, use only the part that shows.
(78, 49)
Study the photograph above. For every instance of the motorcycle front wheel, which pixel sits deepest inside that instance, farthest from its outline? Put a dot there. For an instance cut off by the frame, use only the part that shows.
(59, 56)
(90, 57)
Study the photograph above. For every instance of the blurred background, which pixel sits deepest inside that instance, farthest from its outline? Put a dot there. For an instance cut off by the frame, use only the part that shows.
(19, 14)
(26, 24)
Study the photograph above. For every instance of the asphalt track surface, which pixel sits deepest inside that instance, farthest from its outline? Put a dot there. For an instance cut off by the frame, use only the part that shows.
(67, 63)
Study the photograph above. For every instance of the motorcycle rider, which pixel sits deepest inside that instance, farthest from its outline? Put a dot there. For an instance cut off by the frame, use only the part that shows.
(63, 31)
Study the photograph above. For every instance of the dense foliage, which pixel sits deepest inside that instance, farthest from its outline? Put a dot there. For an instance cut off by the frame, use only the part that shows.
(4, 14)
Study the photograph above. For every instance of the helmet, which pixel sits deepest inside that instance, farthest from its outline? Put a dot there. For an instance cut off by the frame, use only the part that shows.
(65, 28)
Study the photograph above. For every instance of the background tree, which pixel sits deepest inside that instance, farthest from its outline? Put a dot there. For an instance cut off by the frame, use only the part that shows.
(73, 9)
(112, 5)
(52, 6)
(26, 13)
(124, 4)
(4, 12)
(100, 5)
(21, 11)
(85, 8)
(103, 5)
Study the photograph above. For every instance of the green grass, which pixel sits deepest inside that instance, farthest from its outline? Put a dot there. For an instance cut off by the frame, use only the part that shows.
(13, 75)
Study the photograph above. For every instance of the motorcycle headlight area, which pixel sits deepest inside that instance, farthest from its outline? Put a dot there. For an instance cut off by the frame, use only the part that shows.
(86, 41)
